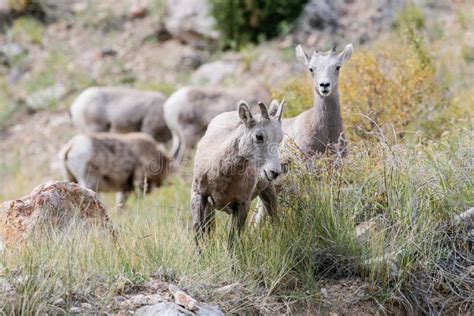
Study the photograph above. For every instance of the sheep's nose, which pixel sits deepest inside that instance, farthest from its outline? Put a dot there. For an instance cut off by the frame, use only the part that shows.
(274, 174)
(325, 84)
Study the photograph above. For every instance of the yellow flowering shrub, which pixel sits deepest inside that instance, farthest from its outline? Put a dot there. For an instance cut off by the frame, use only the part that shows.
(385, 86)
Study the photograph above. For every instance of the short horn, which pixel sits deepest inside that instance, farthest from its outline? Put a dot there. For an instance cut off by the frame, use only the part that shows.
(264, 110)
(333, 47)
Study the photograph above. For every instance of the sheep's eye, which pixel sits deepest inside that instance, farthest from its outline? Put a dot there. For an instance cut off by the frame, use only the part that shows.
(338, 67)
(259, 138)
(311, 70)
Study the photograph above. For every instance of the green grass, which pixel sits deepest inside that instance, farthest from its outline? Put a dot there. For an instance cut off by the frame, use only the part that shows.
(416, 189)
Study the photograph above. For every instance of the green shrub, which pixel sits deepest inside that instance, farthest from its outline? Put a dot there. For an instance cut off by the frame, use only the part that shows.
(411, 16)
(242, 21)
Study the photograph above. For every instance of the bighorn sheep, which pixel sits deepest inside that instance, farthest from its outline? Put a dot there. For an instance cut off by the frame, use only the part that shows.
(235, 161)
(189, 111)
(121, 163)
(319, 128)
(120, 110)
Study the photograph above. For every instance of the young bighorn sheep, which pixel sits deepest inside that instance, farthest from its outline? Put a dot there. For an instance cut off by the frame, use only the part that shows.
(189, 111)
(319, 128)
(120, 110)
(236, 161)
(121, 163)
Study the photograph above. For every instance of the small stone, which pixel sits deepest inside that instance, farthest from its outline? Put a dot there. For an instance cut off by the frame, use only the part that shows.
(108, 52)
(137, 11)
(325, 293)
(183, 299)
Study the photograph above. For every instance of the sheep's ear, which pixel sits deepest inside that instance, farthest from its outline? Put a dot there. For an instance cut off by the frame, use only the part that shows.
(273, 108)
(245, 114)
(300, 54)
(276, 109)
(264, 110)
(346, 53)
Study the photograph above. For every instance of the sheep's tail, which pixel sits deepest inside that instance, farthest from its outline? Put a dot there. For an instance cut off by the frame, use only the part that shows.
(177, 149)
(63, 156)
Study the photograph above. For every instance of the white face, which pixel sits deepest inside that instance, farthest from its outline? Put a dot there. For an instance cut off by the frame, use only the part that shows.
(262, 139)
(324, 68)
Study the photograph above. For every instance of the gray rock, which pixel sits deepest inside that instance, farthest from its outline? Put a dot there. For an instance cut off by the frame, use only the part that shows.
(162, 309)
(12, 50)
(208, 310)
(338, 20)
(190, 21)
(44, 98)
(167, 308)
(52, 205)
(214, 72)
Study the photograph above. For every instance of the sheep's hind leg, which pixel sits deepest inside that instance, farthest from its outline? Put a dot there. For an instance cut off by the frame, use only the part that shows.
(203, 217)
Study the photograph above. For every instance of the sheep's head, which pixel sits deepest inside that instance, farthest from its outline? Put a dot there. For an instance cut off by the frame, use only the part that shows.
(262, 136)
(324, 67)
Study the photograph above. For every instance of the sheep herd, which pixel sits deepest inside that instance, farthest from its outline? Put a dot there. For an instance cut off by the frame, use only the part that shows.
(241, 143)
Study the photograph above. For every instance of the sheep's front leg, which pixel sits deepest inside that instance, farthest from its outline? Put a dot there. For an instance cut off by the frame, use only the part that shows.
(203, 216)
(239, 216)
(121, 200)
(266, 205)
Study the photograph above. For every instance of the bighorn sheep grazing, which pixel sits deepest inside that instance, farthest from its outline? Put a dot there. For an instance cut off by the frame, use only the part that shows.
(235, 161)
(320, 127)
(121, 163)
(189, 111)
(120, 110)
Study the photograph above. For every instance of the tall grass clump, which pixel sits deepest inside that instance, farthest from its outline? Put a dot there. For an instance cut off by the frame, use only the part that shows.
(244, 21)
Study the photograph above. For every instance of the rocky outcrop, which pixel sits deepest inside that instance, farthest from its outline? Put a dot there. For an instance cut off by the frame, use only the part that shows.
(47, 97)
(50, 205)
(190, 22)
(357, 21)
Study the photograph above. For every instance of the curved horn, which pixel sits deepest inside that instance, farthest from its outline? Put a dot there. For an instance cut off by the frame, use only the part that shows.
(264, 110)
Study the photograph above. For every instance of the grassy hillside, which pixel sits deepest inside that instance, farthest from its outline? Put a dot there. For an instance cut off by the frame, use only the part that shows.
(408, 107)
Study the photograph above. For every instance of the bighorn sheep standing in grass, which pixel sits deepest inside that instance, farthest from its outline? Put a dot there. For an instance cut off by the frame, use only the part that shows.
(235, 161)
(120, 110)
(319, 128)
(189, 111)
(122, 163)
